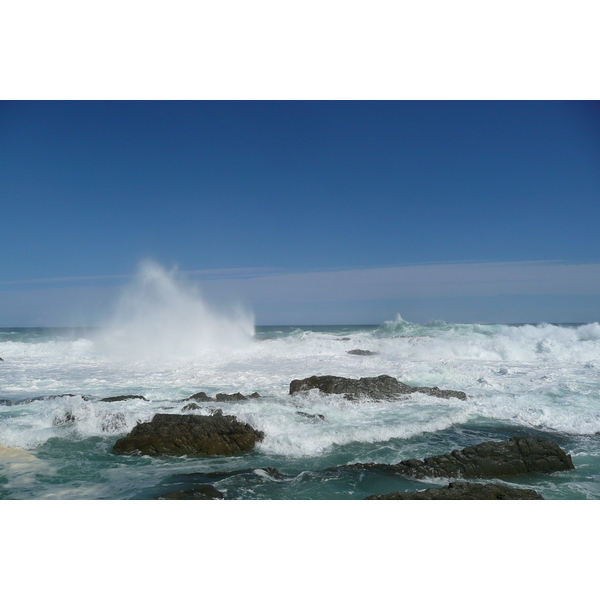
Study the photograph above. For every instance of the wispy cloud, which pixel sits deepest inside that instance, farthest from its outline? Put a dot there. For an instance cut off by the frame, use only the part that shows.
(420, 281)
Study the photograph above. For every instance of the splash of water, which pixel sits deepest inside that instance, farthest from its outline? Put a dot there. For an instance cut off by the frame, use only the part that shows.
(162, 315)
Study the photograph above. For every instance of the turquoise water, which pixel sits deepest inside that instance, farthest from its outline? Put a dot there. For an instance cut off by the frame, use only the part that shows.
(521, 380)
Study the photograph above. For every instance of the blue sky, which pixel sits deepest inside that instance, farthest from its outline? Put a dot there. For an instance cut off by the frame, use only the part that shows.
(305, 212)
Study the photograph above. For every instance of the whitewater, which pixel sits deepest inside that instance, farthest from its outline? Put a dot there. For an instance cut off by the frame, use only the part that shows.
(166, 343)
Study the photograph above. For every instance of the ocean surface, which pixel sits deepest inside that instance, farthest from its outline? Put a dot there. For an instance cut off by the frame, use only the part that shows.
(56, 435)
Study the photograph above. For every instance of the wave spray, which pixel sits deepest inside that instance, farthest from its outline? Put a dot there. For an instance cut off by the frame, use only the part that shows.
(162, 315)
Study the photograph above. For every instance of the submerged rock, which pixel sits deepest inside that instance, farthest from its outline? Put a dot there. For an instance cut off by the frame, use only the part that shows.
(383, 387)
(125, 397)
(459, 490)
(359, 352)
(195, 435)
(202, 492)
(516, 456)
(309, 416)
(67, 417)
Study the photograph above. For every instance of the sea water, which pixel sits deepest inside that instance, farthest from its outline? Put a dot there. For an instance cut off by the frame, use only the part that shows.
(56, 435)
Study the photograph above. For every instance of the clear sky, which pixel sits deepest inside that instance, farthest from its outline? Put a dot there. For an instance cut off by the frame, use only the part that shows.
(306, 212)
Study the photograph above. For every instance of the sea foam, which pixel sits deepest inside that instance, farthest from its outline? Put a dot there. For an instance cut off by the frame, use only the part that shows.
(163, 315)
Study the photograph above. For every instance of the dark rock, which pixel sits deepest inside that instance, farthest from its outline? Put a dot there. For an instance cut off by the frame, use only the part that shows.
(308, 415)
(273, 472)
(344, 339)
(379, 388)
(1, 360)
(190, 406)
(200, 396)
(63, 419)
(114, 422)
(194, 435)
(359, 352)
(254, 395)
(516, 456)
(459, 490)
(230, 397)
(120, 398)
(203, 492)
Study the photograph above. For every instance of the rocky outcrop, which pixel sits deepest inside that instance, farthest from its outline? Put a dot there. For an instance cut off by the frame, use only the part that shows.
(126, 397)
(203, 492)
(459, 490)
(203, 397)
(383, 387)
(190, 406)
(193, 435)
(359, 352)
(516, 456)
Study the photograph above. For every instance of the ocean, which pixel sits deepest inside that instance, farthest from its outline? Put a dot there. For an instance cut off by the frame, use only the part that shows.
(56, 434)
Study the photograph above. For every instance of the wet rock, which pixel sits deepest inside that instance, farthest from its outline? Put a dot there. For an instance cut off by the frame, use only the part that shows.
(309, 416)
(459, 490)
(359, 352)
(190, 406)
(344, 339)
(383, 387)
(203, 492)
(254, 395)
(230, 397)
(1, 360)
(63, 419)
(114, 422)
(516, 456)
(201, 397)
(120, 398)
(194, 435)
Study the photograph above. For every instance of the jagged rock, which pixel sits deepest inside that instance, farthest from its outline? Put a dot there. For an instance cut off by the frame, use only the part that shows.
(126, 397)
(195, 435)
(67, 417)
(308, 415)
(230, 397)
(516, 456)
(190, 406)
(459, 490)
(203, 397)
(359, 352)
(383, 387)
(200, 396)
(203, 492)
(114, 422)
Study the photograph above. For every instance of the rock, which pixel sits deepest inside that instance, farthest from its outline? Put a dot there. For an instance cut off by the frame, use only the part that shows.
(230, 397)
(114, 422)
(63, 419)
(359, 352)
(194, 435)
(120, 398)
(459, 490)
(516, 456)
(190, 406)
(344, 339)
(200, 396)
(203, 492)
(308, 415)
(383, 387)
(1, 360)
(254, 395)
